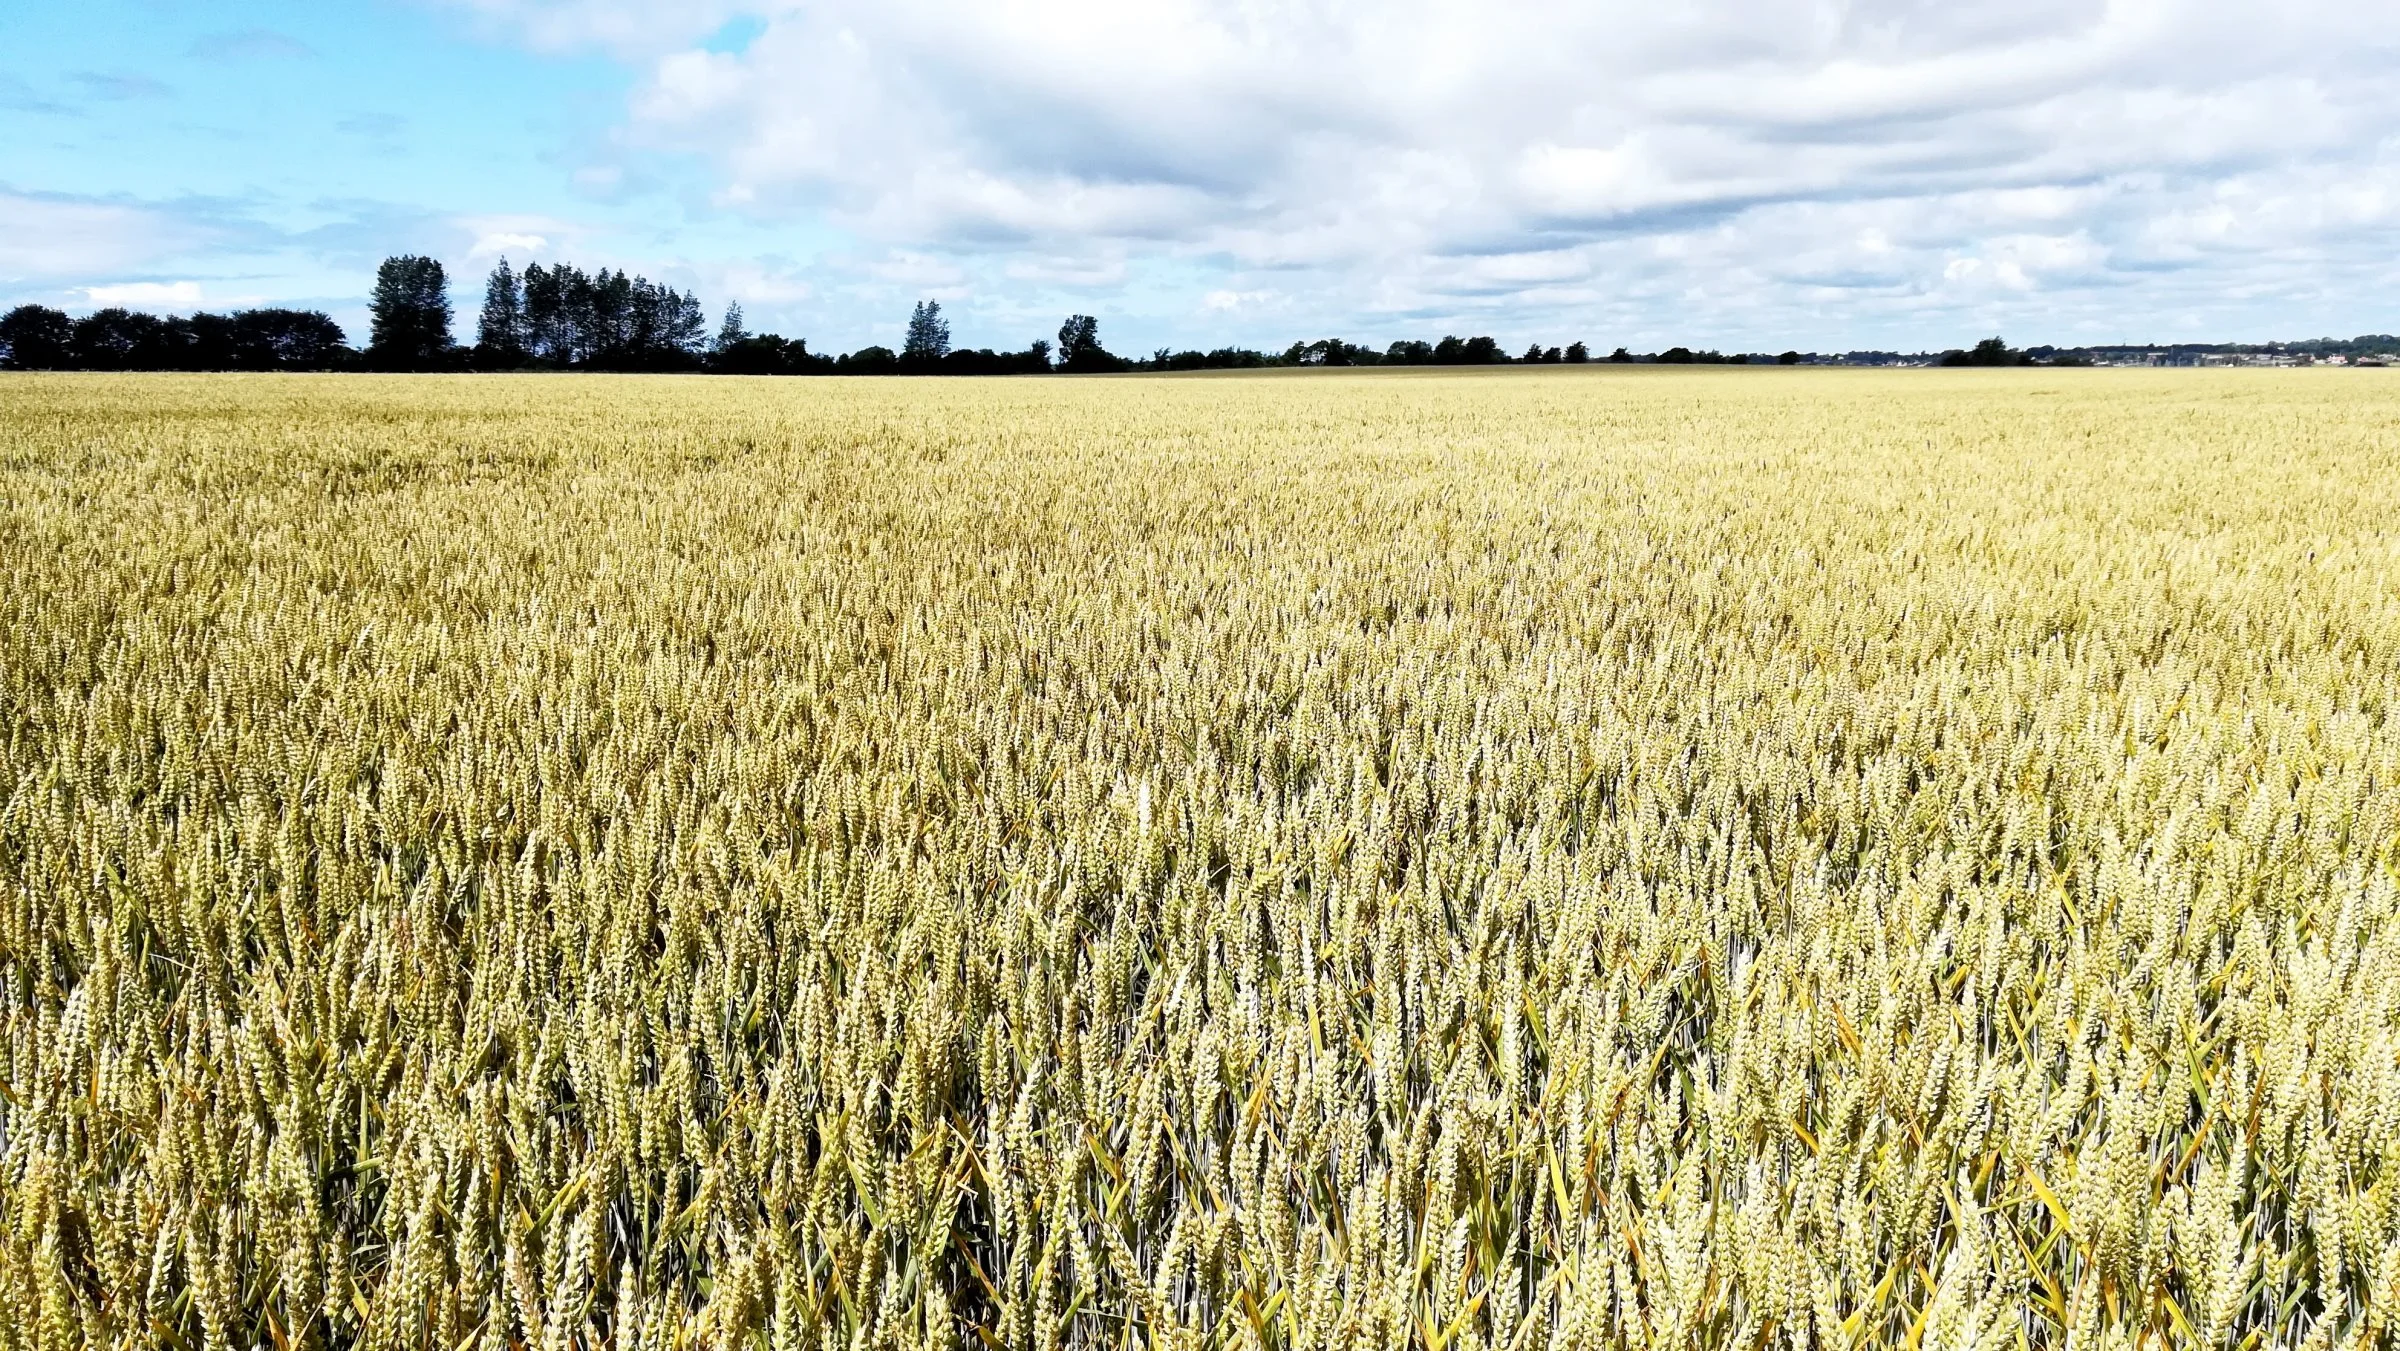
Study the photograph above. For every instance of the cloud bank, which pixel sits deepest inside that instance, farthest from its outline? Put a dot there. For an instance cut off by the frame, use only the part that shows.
(1748, 166)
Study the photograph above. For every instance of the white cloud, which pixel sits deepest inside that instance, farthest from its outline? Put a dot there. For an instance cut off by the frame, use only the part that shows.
(1745, 164)
(44, 237)
(755, 285)
(169, 294)
(1232, 302)
(521, 237)
(922, 271)
(506, 242)
(1080, 270)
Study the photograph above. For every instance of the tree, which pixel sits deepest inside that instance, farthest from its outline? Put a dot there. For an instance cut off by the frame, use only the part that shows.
(500, 337)
(1788, 359)
(1040, 352)
(1620, 356)
(1989, 352)
(1077, 339)
(928, 335)
(411, 308)
(616, 321)
(659, 328)
(606, 310)
(1457, 351)
(267, 340)
(1079, 348)
(766, 354)
(871, 361)
(1331, 352)
(1577, 354)
(730, 333)
(36, 338)
(549, 333)
(116, 339)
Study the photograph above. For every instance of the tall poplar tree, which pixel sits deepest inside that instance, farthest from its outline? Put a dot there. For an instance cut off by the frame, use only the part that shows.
(411, 309)
(500, 336)
(928, 335)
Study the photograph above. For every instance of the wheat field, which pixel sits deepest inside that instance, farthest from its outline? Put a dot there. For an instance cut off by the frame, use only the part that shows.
(1530, 859)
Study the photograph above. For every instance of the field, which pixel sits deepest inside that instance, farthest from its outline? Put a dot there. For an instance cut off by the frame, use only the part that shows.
(1526, 859)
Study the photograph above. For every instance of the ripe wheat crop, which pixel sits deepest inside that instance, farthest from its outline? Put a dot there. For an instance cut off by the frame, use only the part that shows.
(1571, 859)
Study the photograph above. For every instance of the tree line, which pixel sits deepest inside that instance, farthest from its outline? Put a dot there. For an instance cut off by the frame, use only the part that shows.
(560, 317)
(35, 337)
(1995, 352)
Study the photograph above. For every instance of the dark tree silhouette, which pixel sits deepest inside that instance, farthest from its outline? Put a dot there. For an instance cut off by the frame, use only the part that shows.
(500, 337)
(411, 309)
(1078, 339)
(1034, 360)
(116, 339)
(730, 333)
(1989, 352)
(549, 332)
(767, 354)
(612, 321)
(1456, 351)
(300, 339)
(1331, 352)
(928, 336)
(1079, 349)
(1222, 359)
(246, 340)
(665, 329)
(1577, 354)
(268, 340)
(36, 338)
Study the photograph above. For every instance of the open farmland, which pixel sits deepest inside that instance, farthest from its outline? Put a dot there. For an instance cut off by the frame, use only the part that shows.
(1571, 858)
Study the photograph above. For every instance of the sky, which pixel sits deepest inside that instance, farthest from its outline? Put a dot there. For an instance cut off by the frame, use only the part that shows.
(1825, 175)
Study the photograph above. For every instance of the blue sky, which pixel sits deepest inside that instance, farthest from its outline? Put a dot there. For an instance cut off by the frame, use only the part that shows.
(244, 153)
(1827, 175)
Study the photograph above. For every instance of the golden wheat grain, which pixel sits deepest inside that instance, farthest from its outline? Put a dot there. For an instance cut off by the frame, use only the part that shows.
(1569, 859)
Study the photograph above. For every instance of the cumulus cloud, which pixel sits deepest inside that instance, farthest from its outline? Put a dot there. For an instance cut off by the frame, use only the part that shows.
(760, 284)
(49, 237)
(1416, 157)
(499, 243)
(1227, 301)
(161, 294)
